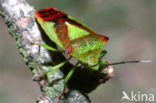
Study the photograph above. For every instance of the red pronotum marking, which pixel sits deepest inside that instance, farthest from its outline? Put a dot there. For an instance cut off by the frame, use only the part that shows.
(50, 14)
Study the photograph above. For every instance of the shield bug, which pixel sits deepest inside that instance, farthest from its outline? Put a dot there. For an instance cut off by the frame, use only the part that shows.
(75, 39)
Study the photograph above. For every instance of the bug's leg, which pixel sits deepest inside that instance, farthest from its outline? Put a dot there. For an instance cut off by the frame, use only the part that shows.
(47, 47)
(103, 53)
(58, 65)
(67, 78)
(53, 68)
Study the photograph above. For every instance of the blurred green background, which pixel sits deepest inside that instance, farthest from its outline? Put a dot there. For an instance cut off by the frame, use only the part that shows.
(131, 27)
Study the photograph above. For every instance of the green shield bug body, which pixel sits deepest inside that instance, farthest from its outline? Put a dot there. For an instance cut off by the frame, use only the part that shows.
(75, 39)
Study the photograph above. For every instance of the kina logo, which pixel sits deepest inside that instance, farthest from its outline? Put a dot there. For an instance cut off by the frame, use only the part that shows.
(137, 96)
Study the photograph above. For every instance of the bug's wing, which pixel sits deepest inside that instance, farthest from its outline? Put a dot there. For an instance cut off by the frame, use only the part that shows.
(46, 18)
(61, 27)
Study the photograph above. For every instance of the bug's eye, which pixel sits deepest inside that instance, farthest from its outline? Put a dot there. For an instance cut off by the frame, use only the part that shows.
(68, 51)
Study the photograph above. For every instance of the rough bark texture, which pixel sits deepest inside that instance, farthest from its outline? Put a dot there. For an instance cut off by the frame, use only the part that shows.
(19, 16)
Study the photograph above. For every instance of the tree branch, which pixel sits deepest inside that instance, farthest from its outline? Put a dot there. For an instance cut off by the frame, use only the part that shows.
(19, 17)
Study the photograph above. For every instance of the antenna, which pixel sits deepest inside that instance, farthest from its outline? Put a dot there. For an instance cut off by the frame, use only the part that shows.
(131, 61)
